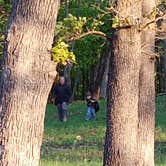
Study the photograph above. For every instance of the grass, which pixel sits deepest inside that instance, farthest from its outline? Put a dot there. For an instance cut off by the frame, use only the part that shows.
(160, 131)
(80, 143)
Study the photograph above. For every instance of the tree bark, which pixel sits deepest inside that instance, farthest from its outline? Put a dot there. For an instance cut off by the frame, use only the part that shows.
(27, 78)
(122, 97)
(146, 104)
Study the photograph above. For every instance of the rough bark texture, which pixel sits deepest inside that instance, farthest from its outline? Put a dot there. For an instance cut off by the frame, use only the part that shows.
(25, 80)
(122, 109)
(146, 105)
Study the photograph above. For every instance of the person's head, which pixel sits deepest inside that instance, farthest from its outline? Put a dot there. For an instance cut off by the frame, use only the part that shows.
(62, 80)
(88, 95)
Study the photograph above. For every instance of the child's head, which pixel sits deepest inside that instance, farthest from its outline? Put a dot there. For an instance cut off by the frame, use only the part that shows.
(88, 95)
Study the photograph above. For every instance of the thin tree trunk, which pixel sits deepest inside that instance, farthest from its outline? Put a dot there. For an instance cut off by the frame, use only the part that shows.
(99, 74)
(68, 67)
(66, 8)
(146, 105)
(77, 79)
(83, 82)
(122, 109)
(103, 86)
(26, 81)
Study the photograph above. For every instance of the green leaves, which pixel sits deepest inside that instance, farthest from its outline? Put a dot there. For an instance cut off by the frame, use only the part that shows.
(4, 12)
(96, 24)
(61, 54)
(115, 22)
(70, 26)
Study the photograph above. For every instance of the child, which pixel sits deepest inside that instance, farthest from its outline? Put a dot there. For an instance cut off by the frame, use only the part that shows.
(93, 107)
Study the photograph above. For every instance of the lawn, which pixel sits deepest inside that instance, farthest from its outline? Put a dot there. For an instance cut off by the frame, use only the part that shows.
(80, 143)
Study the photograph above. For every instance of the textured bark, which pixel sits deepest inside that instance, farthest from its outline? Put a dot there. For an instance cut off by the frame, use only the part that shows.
(26, 81)
(146, 106)
(122, 109)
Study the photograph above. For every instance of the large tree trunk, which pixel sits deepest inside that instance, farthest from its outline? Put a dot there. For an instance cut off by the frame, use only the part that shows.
(122, 110)
(146, 104)
(26, 80)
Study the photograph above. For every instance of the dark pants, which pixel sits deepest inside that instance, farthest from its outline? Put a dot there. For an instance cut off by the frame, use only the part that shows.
(62, 111)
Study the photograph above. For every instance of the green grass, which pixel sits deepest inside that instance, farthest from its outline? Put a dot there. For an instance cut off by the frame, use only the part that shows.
(160, 131)
(61, 147)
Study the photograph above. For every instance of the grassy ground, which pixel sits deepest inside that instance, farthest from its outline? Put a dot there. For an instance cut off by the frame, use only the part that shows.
(80, 143)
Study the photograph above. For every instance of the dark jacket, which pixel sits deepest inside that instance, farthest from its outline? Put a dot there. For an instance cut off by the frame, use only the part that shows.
(62, 93)
(93, 103)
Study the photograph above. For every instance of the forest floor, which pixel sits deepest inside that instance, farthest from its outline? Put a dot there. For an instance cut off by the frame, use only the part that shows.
(80, 143)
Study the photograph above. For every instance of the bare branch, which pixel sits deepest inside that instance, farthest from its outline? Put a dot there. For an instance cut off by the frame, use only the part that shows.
(97, 33)
(153, 21)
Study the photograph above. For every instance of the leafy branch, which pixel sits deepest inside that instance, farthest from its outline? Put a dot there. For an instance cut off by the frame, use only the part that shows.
(70, 29)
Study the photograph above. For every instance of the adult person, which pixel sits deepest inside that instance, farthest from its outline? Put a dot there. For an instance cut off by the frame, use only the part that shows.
(62, 95)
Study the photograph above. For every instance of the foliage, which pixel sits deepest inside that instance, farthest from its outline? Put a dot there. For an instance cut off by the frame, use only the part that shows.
(61, 53)
(4, 13)
(69, 27)
(82, 17)
(116, 22)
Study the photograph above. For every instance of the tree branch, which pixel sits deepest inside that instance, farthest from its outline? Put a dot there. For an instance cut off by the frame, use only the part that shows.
(97, 33)
(153, 21)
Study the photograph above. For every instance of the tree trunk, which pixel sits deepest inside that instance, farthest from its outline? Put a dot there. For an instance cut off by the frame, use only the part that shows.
(146, 104)
(99, 72)
(103, 86)
(83, 83)
(122, 106)
(66, 8)
(26, 80)
(76, 81)
(67, 73)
